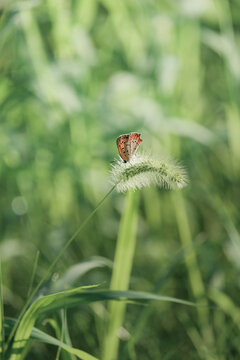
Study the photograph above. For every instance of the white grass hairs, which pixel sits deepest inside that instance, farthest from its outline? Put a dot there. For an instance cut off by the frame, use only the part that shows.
(143, 170)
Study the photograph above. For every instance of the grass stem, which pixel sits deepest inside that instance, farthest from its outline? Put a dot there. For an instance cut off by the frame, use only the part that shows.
(121, 271)
(51, 267)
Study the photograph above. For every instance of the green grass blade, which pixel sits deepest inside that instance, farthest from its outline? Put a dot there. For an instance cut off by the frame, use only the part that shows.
(226, 304)
(41, 336)
(121, 272)
(145, 312)
(56, 323)
(73, 273)
(51, 267)
(61, 328)
(62, 314)
(66, 338)
(69, 299)
(195, 276)
(33, 272)
(1, 319)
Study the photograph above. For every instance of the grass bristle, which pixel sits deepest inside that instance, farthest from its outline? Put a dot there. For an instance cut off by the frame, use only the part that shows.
(143, 170)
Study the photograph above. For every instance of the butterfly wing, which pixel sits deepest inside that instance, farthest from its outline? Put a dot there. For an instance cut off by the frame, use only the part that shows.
(134, 141)
(123, 148)
(128, 144)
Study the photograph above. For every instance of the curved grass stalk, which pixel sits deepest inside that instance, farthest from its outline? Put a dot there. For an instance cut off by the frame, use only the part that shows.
(51, 267)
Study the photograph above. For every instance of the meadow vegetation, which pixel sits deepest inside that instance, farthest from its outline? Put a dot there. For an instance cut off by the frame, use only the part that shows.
(74, 75)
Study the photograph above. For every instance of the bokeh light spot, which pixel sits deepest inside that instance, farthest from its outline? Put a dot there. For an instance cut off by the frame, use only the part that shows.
(19, 205)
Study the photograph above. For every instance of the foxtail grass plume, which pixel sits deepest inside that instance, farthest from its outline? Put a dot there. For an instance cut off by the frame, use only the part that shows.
(143, 170)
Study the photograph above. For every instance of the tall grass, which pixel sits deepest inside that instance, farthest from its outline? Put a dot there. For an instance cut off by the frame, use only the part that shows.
(73, 76)
(17, 344)
(48, 273)
(123, 261)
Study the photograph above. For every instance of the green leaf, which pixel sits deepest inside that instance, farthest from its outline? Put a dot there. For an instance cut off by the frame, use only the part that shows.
(144, 312)
(76, 271)
(226, 304)
(54, 262)
(68, 299)
(41, 336)
(60, 325)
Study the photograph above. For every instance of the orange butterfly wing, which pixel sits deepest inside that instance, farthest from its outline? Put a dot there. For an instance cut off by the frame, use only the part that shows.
(128, 144)
(122, 141)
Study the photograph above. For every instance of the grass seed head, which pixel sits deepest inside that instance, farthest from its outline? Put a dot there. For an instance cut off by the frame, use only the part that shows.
(143, 170)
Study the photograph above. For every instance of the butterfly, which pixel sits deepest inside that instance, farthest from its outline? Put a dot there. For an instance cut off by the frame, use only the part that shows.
(128, 144)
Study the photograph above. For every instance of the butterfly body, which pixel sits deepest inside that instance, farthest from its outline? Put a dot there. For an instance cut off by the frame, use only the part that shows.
(128, 144)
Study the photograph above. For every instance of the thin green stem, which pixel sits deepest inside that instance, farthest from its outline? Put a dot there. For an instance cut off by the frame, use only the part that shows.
(194, 272)
(123, 260)
(51, 267)
(33, 272)
(63, 318)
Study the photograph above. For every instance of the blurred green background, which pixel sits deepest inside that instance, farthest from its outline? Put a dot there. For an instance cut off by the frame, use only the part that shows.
(74, 75)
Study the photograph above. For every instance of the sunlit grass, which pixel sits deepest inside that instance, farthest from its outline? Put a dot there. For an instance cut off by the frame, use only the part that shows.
(73, 76)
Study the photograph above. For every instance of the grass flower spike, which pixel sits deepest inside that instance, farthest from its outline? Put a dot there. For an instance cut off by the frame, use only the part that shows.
(143, 170)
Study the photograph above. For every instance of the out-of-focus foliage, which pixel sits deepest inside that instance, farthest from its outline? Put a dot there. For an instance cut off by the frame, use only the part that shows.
(75, 74)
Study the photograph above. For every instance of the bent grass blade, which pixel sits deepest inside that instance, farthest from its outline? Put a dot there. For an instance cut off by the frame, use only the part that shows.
(69, 299)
